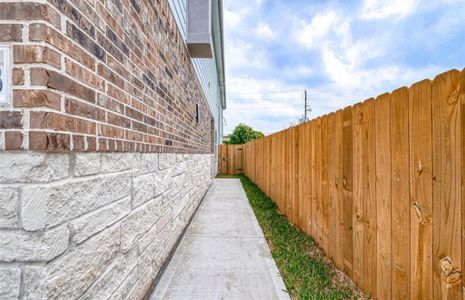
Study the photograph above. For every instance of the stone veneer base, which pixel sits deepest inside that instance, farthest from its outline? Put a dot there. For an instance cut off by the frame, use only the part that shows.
(93, 225)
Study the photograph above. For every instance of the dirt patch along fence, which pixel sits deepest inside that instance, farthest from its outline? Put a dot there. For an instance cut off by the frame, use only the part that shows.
(380, 186)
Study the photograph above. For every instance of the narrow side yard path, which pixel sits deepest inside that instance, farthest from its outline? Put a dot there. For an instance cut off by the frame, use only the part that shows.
(223, 254)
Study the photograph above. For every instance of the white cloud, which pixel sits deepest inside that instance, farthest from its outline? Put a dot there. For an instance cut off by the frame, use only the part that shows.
(311, 34)
(231, 19)
(349, 78)
(382, 9)
(330, 33)
(264, 31)
(343, 58)
(245, 55)
(243, 8)
(298, 71)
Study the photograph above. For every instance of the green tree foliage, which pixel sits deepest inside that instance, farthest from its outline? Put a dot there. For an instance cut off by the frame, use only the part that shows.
(243, 134)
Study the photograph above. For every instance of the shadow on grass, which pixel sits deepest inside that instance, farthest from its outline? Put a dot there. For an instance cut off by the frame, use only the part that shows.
(307, 273)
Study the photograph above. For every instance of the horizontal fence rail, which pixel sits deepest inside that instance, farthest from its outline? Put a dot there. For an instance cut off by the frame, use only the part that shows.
(380, 186)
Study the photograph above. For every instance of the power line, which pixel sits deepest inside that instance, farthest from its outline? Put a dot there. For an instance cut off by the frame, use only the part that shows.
(242, 107)
(282, 107)
(336, 103)
(320, 93)
(289, 98)
(333, 100)
(268, 107)
(264, 93)
(254, 106)
(263, 100)
(333, 103)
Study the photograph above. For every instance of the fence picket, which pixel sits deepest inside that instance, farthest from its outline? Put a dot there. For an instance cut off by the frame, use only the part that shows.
(319, 185)
(301, 175)
(348, 188)
(339, 193)
(358, 179)
(446, 186)
(462, 120)
(332, 191)
(369, 197)
(383, 195)
(324, 184)
(309, 179)
(421, 185)
(295, 155)
(400, 188)
(314, 181)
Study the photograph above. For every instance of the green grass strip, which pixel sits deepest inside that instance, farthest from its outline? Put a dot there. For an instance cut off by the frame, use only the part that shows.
(306, 275)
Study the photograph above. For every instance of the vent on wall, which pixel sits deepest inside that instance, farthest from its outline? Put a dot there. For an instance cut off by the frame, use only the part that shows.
(5, 75)
(197, 114)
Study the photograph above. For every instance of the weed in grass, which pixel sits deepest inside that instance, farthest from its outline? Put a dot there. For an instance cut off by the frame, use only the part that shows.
(307, 273)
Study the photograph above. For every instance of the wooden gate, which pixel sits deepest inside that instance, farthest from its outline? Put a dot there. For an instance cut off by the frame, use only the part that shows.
(230, 159)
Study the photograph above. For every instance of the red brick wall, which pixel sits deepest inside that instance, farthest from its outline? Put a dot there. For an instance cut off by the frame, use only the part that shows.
(100, 75)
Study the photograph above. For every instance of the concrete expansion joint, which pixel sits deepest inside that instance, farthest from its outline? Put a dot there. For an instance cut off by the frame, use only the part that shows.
(226, 236)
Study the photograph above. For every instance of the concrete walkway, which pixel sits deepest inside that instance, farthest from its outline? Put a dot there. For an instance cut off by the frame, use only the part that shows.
(223, 254)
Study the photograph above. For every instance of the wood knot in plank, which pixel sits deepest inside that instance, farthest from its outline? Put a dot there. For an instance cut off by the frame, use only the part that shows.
(462, 98)
(450, 274)
(344, 182)
(423, 218)
(420, 167)
(454, 97)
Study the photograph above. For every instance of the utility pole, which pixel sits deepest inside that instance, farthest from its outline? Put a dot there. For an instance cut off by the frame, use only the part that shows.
(307, 108)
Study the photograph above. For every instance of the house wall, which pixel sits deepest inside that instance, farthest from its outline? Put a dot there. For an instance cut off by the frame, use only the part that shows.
(99, 147)
(101, 76)
(206, 70)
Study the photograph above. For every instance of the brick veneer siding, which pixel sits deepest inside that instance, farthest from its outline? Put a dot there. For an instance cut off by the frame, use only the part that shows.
(100, 75)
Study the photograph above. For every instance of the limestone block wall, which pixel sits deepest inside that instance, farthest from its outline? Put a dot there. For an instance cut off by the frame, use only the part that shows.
(93, 225)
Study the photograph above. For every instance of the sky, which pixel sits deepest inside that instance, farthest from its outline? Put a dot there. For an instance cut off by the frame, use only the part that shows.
(341, 52)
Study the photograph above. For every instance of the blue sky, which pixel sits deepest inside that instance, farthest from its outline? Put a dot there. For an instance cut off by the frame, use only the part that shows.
(342, 52)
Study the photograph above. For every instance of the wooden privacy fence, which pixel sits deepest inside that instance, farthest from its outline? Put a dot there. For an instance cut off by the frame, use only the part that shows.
(380, 186)
(230, 159)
